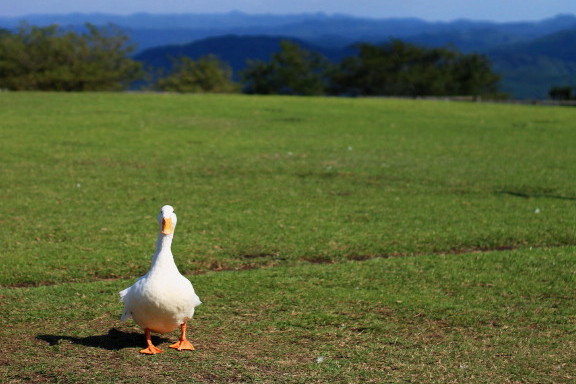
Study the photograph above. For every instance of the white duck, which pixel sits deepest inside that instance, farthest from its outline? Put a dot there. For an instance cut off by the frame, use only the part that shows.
(161, 300)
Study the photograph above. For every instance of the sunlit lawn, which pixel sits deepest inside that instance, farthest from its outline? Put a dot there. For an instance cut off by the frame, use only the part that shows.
(331, 240)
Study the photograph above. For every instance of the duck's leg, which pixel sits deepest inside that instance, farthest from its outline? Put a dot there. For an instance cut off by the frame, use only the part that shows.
(150, 349)
(183, 343)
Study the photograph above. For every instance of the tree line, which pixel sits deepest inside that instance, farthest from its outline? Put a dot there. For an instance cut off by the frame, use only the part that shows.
(48, 59)
(98, 59)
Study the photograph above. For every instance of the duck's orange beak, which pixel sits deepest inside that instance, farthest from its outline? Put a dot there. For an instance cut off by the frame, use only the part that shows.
(167, 227)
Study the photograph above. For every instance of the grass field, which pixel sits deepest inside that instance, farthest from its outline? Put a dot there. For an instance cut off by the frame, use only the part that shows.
(331, 240)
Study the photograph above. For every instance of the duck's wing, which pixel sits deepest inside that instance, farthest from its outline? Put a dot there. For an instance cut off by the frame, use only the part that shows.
(124, 292)
(196, 300)
(126, 314)
(187, 286)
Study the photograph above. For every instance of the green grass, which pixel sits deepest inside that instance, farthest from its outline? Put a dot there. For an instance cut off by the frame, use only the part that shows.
(331, 240)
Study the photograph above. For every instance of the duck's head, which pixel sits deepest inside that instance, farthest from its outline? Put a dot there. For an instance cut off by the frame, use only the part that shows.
(167, 220)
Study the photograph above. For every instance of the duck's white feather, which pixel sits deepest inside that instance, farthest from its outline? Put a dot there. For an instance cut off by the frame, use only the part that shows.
(162, 299)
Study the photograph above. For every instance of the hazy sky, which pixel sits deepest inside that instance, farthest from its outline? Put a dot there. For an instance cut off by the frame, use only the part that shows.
(497, 10)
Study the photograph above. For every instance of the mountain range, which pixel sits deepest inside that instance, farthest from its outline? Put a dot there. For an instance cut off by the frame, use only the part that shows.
(531, 56)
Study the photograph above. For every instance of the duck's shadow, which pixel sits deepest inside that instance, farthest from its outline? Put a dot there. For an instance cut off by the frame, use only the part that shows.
(114, 340)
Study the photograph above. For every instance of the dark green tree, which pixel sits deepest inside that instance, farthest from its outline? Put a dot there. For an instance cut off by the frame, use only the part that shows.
(291, 71)
(46, 58)
(472, 75)
(401, 69)
(205, 75)
(564, 93)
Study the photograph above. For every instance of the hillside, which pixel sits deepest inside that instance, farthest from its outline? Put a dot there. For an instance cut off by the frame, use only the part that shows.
(530, 69)
(232, 49)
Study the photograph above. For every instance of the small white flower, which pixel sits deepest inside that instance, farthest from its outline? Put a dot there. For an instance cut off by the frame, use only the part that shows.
(537, 210)
(78, 185)
(320, 359)
(349, 148)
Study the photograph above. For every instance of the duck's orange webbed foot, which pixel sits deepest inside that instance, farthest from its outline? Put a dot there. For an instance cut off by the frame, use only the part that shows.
(183, 344)
(150, 349)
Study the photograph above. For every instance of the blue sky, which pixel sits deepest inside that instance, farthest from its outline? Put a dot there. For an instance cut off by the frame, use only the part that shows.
(497, 10)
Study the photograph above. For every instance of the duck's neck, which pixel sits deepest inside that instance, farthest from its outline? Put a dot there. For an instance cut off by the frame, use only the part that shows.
(164, 242)
(163, 254)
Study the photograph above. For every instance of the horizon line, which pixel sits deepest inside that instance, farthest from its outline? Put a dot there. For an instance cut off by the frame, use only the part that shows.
(270, 14)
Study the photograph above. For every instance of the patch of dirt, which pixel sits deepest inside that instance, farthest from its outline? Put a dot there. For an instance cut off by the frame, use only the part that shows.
(319, 260)
(359, 257)
(259, 255)
(458, 251)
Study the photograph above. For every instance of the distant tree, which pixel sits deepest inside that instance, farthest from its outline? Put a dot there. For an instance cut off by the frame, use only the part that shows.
(291, 71)
(472, 75)
(401, 69)
(46, 58)
(562, 93)
(205, 75)
(380, 70)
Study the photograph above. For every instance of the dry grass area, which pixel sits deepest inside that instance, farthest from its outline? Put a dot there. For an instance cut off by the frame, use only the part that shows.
(343, 323)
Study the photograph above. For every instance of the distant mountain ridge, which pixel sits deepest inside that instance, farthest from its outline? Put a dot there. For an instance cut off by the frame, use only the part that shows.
(233, 49)
(530, 56)
(335, 30)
